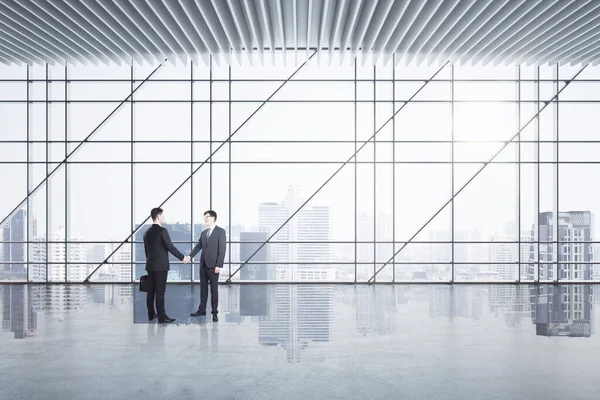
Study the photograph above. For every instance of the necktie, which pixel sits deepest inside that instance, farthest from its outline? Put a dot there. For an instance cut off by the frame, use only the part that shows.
(208, 233)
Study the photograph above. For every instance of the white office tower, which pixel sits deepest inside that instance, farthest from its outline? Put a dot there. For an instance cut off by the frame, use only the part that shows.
(74, 266)
(310, 229)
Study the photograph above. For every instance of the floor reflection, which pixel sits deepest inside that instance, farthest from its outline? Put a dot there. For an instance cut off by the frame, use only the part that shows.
(480, 341)
(293, 315)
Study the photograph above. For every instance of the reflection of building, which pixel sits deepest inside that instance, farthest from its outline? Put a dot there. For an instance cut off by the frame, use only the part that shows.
(375, 308)
(13, 254)
(299, 314)
(562, 310)
(572, 254)
(254, 300)
(18, 313)
(68, 297)
(310, 229)
(456, 301)
(20, 304)
(511, 300)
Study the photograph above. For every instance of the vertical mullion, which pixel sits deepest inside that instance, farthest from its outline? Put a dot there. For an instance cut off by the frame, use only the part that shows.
(374, 174)
(537, 158)
(556, 229)
(191, 244)
(393, 66)
(48, 231)
(210, 132)
(229, 168)
(131, 176)
(355, 177)
(452, 172)
(519, 173)
(26, 264)
(66, 176)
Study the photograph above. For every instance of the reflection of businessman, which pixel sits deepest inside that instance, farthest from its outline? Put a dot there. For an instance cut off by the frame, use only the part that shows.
(212, 243)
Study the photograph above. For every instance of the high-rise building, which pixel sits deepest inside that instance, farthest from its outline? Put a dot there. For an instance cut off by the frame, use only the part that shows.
(310, 232)
(121, 263)
(573, 252)
(506, 253)
(39, 256)
(13, 248)
(251, 242)
(74, 266)
(272, 216)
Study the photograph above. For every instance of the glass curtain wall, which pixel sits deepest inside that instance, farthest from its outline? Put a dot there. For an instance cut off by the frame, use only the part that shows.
(322, 171)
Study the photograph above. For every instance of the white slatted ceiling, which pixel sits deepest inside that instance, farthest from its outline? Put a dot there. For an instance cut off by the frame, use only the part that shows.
(431, 31)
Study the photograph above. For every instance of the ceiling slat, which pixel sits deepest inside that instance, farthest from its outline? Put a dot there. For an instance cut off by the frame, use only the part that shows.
(108, 32)
(82, 34)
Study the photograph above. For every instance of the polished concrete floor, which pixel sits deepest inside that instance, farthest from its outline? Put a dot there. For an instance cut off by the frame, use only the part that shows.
(302, 342)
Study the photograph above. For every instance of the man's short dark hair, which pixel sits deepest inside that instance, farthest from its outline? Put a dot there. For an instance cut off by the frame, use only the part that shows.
(211, 213)
(155, 213)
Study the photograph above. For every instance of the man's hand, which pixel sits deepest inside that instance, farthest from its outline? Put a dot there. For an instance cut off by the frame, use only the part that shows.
(186, 259)
(217, 270)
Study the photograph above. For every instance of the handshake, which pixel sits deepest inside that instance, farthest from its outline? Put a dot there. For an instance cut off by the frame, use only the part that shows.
(187, 260)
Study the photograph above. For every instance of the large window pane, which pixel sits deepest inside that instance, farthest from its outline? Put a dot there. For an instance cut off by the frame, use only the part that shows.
(100, 202)
(14, 121)
(162, 121)
(289, 121)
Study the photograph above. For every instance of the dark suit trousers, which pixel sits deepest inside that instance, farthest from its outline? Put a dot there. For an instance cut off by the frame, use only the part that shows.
(157, 286)
(207, 275)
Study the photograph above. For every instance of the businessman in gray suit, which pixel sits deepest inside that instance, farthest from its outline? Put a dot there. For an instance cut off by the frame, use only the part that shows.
(212, 243)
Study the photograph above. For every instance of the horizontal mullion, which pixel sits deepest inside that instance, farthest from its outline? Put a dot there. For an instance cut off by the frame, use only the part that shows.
(243, 80)
(516, 241)
(299, 162)
(398, 141)
(258, 101)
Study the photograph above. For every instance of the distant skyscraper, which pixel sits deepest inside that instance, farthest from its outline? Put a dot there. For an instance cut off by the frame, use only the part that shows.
(255, 271)
(13, 254)
(76, 268)
(96, 252)
(573, 255)
(37, 268)
(310, 229)
(506, 253)
(121, 263)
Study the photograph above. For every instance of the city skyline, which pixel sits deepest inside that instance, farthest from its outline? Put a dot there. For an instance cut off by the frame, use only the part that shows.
(498, 256)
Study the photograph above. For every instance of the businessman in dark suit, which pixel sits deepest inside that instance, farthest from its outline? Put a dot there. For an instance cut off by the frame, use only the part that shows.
(157, 245)
(212, 243)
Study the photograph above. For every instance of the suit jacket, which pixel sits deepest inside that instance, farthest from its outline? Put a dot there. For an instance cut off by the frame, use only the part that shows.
(157, 245)
(213, 249)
